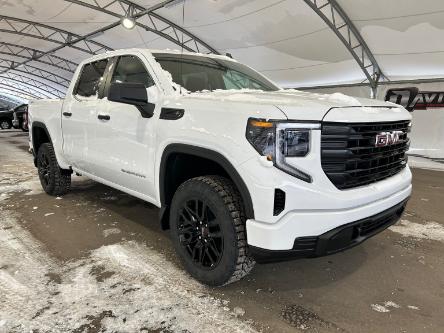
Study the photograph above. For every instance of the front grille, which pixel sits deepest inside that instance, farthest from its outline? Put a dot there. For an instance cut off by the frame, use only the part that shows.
(350, 157)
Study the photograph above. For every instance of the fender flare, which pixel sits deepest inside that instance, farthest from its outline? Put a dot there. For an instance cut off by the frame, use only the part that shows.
(38, 124)
(210, 155)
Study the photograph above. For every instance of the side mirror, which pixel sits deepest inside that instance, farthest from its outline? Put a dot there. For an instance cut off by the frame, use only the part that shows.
(133, 94)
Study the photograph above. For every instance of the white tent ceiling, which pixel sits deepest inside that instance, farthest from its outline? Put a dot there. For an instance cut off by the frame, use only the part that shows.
(284, 39)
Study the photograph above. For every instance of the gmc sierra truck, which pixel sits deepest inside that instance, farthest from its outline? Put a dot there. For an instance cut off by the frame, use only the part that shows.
(242, 170)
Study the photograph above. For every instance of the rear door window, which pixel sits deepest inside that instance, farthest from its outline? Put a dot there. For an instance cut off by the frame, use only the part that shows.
(91, 77)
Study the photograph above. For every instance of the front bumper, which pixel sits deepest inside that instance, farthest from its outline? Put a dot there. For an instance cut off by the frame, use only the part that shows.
(335, 240)
(325, 212)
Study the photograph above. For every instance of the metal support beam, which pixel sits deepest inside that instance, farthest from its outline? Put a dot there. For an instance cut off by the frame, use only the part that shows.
(23, 86)
(51, 34)
(17, 91)
(47, 33)
(37, 55)
(7, 99)
(388, 83)
(150, 21)
(338, 21)
(45, 88)
(156, 24)
(36, 72)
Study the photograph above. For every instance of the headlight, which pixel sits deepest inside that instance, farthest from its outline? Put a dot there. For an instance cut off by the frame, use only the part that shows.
(281, 140)
(295, 143)
(261, 135)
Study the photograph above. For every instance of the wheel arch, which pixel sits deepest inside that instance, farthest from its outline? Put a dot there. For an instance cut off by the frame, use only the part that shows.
(168, 185)
(40, 135)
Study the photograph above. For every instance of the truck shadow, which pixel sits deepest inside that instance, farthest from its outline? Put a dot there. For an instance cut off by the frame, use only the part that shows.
(310, 273)
(280, 277)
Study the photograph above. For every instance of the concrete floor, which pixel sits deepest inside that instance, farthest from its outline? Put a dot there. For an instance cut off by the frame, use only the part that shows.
(96, 260)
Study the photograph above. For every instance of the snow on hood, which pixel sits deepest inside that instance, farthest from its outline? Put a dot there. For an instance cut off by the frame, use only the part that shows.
(284, 97)
(341, 98)
(294, 104)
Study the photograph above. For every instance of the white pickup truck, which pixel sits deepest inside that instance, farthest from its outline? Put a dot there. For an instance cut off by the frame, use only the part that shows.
(241, 169)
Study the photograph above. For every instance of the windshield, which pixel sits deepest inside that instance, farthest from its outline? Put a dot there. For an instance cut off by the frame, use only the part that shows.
(197, 73)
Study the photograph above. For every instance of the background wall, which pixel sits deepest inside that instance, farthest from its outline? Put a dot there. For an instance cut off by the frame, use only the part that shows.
(427, 137)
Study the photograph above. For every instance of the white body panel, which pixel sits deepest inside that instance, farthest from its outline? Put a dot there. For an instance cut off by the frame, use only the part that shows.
(79, 131)
(128, 159)
(126, 151)
(48, 112)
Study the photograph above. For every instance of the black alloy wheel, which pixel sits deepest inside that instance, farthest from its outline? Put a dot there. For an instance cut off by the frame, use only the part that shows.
(207, 223)
(54, 180)
(44, 170)
(200, 233)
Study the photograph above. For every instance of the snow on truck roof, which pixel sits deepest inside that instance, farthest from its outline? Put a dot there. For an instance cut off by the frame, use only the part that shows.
(154, 51)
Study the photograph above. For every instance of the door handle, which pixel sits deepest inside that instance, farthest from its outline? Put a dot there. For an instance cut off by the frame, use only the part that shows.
(67, 114)
(104, 117)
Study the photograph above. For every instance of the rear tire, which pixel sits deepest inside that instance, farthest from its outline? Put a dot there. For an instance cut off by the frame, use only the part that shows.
(55, 181)
(207, 222)
(5, 124)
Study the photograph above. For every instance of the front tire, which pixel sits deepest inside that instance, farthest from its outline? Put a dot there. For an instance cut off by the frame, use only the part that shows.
(207, 223)
(55, 181)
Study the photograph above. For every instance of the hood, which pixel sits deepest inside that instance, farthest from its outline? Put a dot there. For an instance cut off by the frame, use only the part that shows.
(294, 104)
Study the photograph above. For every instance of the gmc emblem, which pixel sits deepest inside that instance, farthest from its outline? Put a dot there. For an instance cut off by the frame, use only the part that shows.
(388, 138)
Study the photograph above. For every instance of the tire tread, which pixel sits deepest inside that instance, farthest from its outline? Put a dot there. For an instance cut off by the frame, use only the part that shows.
(62, 177)
(233, 201)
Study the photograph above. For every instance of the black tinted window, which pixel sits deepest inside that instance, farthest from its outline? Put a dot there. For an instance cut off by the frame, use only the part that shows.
(92, 75)
(130, 69)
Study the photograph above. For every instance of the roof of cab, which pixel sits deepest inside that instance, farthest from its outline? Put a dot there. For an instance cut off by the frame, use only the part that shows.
(151, 51)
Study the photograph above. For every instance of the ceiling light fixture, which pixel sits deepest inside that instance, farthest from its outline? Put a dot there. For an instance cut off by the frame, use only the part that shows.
(128, 22)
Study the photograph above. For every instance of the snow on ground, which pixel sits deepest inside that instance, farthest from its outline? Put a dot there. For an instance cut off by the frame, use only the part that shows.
(385, 307)
(16, 178)
(111, 231)
(124, 287)
(429, 230)
(379, 308)
(32, 187)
